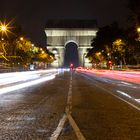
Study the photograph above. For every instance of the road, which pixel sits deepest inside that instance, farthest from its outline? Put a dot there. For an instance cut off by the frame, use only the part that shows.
(71, 106)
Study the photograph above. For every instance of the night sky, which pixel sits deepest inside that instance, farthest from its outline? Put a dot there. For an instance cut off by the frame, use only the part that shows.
(33, 14)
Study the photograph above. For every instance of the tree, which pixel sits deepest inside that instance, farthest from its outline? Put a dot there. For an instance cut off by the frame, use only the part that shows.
(42, 55)
(134, 6)
(132, 45)
(119, 50)
(103, 42)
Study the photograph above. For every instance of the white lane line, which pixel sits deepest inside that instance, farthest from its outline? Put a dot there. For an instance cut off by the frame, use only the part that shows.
(129, 84)
(59, 128)
(68, 108)
(126, 102)
(123, 93)
(138, 100)
(126, 83)
(68, 112)
(76, 128)
(134, 106)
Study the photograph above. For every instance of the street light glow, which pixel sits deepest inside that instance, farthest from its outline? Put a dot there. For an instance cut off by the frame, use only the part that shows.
(42, 52)
(21, 38)
(3, 28)
(138, 29)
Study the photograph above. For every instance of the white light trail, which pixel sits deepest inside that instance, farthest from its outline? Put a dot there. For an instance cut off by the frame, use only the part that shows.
(12, 74)
(27, 84)
(18, 78)
(8, 78)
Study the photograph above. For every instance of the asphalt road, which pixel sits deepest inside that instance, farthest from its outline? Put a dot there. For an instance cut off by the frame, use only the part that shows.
(103, 113)
(91, 107)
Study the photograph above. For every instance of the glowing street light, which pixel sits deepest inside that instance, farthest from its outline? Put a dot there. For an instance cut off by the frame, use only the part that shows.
(42, 52)
(99, 53)
(21, 38)
(138, 29)
(3, 28)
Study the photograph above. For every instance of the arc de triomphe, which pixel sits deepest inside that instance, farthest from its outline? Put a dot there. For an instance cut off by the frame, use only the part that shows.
(61, 32)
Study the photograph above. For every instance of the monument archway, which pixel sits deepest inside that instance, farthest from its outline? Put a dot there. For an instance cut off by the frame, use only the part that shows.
(61, 32)
(71, 55)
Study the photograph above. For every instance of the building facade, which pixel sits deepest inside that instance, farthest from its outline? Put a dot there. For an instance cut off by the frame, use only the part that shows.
(61, 32)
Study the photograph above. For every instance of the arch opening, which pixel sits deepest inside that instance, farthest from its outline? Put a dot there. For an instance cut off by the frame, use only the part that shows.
(71, 54)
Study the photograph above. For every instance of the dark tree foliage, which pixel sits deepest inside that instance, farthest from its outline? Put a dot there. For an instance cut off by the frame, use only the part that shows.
(130, 36)
(105, 37)
(128, 51)
(134, 6)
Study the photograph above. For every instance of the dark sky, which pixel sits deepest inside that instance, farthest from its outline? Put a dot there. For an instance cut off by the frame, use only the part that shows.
(32, 14)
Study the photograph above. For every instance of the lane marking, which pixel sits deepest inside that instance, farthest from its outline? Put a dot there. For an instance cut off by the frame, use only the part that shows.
(67, 115)
(126, 83)
(69, 111)
(68, 108)
(123, 93)
(138, 100)
(59, 128)
(132, 105)
(129, 84)
(76, 128)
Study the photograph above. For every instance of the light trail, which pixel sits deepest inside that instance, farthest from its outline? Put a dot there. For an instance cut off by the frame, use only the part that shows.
(129, 76)
(27, 84)
(18, 78)
(9, 78)
(9, 81)
(12, 74)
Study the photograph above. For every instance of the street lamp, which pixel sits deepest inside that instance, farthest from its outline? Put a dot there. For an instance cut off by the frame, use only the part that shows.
(42, 52)
(21, 38)
(138, 29)
(3, 28)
